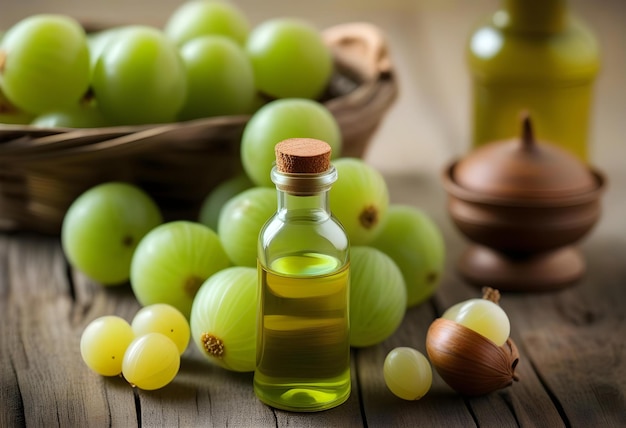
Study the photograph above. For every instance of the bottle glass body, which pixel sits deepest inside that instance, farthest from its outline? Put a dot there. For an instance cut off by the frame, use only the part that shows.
(533, 56)
(303, 348)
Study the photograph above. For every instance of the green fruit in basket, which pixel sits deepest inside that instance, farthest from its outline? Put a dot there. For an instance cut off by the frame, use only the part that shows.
(223, 318)
(241, 220)
(279, 120)
(78, 116)
(172, 261)
(220, 80)
(98, 41)
(377, 296)
(9, 114)
(139, 78)
(207, 17)
(290, 59)
(44, 63)
(102, 228)
(359, 199)
(413, 240)
(214, 202)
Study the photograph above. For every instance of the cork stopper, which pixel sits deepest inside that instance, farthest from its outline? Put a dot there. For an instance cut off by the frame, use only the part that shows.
(302, 156)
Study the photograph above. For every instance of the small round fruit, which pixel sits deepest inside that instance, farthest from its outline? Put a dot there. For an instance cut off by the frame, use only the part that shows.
(103, 344)
(44, 63)
(102, 228)
(413, 240)
(165, 319)
(220, 79)
(151, 361)
(98, 42)
(377, 296)
(279, 120)
(241, 220)
(139, 78)
(359, 199)
(407, 373)
(483, 316)
(172, 261)
(78, 116)
(223, 318)
(10, 114)
(207, 17)
(290, 59)
(217, 198)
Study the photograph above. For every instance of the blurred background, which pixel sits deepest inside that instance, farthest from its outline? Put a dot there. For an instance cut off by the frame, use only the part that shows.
(431, 119)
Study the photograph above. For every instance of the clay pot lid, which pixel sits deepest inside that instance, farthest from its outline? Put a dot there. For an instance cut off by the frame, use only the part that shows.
(522, 168)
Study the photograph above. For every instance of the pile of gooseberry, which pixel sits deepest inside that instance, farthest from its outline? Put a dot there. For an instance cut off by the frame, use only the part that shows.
(145, 352)
(207, 60)
(114, 234)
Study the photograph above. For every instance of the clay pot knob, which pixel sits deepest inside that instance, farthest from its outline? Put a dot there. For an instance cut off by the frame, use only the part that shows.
(524, 168)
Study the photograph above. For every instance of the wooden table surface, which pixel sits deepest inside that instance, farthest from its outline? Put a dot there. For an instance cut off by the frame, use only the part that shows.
(572, 342)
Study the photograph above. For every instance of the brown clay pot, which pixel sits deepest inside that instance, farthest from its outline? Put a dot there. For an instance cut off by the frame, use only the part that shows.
(522, 204)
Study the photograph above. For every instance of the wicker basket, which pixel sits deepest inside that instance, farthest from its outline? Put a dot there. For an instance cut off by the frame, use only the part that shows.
(43, 170)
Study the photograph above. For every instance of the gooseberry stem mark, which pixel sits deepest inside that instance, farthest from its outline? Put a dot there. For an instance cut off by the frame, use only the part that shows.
(432, 278)
(128, 241)
(192, 285)
(369, 217)
(212, 345)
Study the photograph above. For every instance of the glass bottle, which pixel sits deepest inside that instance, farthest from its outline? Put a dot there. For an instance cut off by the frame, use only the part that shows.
(534, 56)
(303, 348)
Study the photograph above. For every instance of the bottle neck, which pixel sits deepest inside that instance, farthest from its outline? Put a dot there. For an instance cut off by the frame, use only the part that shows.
(532, 16)
(304, 195)
(315, 207)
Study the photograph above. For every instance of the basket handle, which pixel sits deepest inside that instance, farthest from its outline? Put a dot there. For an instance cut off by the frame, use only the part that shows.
(361, 47)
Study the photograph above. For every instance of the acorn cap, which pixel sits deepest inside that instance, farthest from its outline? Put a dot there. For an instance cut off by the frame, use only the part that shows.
(522, 168)
(302, 156)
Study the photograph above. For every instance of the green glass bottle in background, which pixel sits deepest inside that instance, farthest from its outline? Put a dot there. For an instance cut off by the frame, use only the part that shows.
(303, 326)
(534, 56)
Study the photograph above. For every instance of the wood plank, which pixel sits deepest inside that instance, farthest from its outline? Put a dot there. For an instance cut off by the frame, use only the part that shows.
(569, 340)
(12, 402)
(46, 382)
(577, 348)
(440, 407)
(43, 299)
(40, 338)
(525, 403)
(556, 332)
(200, 394)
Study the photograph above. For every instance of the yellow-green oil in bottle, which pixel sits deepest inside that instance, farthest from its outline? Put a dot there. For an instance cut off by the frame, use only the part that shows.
(303, 349)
